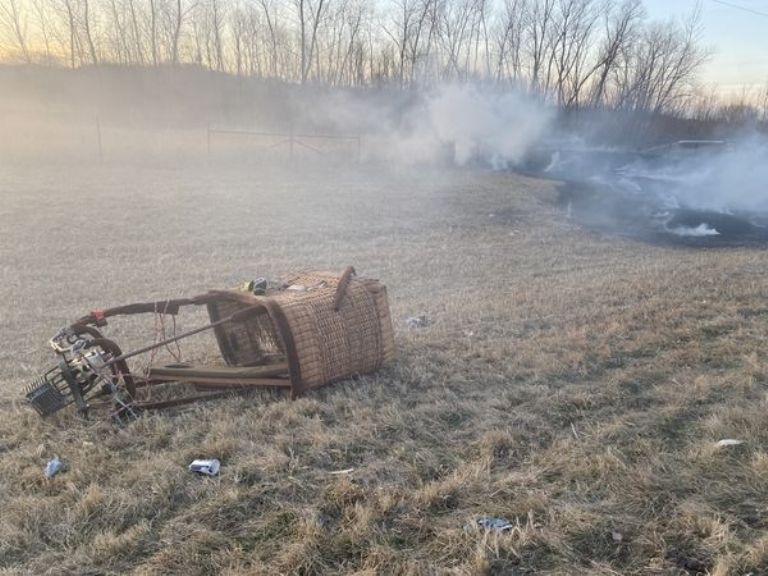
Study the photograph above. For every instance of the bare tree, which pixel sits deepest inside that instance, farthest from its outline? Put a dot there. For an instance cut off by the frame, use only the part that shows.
(654, 76)
(137, 39)
(88, 33)
(41, 12)
(620, 28)
(408, 21)
(309, 21)
(509, 40)
(270, 17)
(239, 28)
(178, 18)
(153, 31)
(576, 52)
(115, 35)
(354, 14)
(72, 32)
(458, 24)
(574, 27)
(12, 18)
(539, 24)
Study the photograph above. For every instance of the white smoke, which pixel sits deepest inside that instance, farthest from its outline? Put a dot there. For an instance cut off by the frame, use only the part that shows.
(696, 232)
(457, 123)
(488, 125)
(734, 181)
(729, 178)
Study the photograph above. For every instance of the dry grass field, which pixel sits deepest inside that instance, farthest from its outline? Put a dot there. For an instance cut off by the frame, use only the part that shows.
(572, 383)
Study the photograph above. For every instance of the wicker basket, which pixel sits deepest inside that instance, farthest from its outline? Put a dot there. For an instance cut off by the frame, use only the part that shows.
(332, 326)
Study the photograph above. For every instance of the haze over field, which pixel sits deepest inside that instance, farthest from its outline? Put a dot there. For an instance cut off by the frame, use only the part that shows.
(571, 225)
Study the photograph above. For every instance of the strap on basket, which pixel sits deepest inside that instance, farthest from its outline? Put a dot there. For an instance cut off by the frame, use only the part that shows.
(341, 289)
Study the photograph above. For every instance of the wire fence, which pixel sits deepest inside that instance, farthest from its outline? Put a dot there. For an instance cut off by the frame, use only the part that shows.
(291, 140)
(94, 140)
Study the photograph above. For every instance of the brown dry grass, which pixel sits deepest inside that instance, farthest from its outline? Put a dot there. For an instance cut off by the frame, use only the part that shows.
(571, 383)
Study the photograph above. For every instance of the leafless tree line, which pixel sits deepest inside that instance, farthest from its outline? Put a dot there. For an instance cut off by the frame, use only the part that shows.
(749, 107)
(575, 53)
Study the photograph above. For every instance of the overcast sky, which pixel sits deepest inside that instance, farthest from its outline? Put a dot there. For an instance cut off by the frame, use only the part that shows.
(739, 39)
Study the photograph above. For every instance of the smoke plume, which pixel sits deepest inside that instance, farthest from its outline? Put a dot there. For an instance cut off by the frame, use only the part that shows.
(734, 180)
(457, 123)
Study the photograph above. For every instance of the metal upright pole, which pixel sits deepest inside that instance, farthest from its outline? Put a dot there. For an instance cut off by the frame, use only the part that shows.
(290, 139)
(98, 139)
(359, 148)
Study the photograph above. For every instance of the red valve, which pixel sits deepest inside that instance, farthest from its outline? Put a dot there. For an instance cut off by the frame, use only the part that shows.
(99, 317)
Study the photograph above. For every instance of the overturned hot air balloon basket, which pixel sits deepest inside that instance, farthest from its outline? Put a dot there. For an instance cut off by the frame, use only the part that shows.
(313, 329)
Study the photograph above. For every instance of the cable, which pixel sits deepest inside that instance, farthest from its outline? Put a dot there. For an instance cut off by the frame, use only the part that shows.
(743, 8)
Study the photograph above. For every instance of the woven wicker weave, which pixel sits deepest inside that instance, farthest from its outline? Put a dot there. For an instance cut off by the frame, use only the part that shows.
(337, 326)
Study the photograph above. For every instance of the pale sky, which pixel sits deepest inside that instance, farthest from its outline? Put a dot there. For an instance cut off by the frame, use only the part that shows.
(739, 39)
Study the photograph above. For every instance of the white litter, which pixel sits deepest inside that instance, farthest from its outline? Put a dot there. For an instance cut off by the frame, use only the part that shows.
(340, 472)
(729, 442)
(493, 523)
(207, 467)
(53, 467)
(417, 322)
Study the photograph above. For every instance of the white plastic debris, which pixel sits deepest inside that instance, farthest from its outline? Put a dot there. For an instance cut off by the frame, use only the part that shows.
(417, 322)
(208, 467)
(342, 472)
(493, 523)
(728, 442)
(53, 467)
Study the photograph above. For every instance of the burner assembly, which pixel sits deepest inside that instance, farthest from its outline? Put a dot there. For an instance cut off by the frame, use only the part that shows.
(88, 366)
(315, 328)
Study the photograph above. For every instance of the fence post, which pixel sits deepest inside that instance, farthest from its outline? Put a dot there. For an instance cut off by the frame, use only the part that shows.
(98, 139)
(359, 148)
(290, 141)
